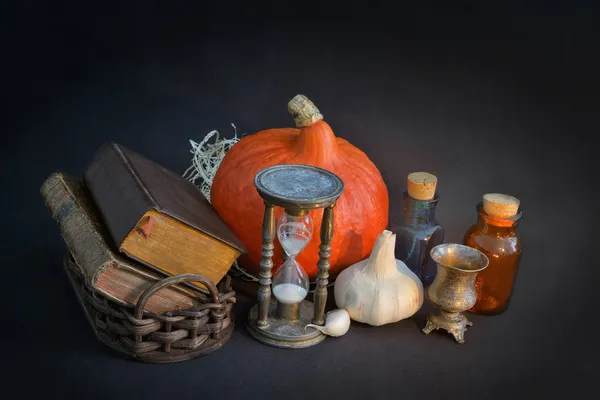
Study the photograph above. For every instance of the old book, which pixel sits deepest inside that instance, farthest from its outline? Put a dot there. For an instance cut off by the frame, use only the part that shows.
(157, 217)
(118, 279)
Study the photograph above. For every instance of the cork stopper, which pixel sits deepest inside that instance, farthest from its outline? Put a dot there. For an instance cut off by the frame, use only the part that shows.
(500, 205)
(304, 111)
(421, 185)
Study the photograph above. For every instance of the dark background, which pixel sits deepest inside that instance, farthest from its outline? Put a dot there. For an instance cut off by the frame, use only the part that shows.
(495, 98)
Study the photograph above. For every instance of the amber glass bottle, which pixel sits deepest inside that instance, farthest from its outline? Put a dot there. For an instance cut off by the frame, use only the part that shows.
(494, 235)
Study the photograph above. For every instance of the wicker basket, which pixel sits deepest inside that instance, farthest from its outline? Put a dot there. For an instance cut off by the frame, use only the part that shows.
(151, 338)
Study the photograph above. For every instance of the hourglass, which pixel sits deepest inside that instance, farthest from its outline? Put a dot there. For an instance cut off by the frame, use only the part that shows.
(298, 189)
(290, 282)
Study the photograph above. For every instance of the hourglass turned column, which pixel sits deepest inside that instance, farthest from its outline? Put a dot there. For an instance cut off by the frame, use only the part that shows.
(323, 274)
(281, 321)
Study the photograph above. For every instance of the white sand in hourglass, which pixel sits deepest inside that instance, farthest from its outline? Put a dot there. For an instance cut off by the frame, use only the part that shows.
(288, 293)
(293, 244)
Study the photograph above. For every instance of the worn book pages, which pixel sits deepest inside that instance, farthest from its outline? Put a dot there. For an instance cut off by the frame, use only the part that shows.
(118, 279)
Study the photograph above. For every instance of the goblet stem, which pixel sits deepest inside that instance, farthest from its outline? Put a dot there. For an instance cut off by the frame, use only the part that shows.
(451, 316)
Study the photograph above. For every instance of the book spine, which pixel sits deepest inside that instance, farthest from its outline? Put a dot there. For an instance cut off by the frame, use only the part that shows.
(117, 191)
(79, 232)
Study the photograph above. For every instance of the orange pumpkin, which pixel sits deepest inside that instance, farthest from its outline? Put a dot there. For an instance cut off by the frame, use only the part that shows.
(360, 215)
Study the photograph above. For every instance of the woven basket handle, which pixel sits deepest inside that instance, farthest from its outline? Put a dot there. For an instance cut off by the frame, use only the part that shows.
(173, 280)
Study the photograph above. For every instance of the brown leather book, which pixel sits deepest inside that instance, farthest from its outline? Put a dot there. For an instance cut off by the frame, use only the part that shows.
(157, 217)
(120, 280)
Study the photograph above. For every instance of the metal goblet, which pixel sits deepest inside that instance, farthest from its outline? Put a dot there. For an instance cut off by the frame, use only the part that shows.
(453, 289)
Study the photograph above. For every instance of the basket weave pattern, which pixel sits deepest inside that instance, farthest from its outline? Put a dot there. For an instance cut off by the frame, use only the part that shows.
(170, 337)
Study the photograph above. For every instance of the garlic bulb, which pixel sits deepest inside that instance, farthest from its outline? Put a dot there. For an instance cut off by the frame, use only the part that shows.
(380, 289)
(337, 323)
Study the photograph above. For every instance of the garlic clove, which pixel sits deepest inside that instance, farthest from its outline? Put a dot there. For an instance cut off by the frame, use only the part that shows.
(337, 323)
(317, 327)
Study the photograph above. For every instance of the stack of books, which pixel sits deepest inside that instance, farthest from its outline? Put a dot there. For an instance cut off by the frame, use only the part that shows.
(131, 222)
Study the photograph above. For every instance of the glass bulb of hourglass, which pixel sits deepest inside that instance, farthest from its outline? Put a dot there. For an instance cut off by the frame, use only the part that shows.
(290, 282)
(294, 232)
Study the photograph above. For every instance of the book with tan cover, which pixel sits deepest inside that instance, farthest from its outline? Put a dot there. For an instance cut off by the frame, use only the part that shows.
(118, 279)
(157, 217)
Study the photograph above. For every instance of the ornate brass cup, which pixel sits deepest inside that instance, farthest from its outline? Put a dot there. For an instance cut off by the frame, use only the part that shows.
(453, 289)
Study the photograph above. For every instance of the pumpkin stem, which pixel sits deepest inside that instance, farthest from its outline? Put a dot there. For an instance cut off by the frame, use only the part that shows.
(304, 111)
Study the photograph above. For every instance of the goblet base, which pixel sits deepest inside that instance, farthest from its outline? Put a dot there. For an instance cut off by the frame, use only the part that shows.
(454, 323)
(283, 333)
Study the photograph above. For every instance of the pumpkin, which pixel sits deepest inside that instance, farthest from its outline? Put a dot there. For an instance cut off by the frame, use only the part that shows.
(360, 215)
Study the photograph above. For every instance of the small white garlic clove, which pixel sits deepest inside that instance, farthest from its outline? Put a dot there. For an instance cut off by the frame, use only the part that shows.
(337, 323)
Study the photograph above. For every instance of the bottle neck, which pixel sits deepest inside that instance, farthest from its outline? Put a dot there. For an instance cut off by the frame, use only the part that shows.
(419, 212)
(496, 225)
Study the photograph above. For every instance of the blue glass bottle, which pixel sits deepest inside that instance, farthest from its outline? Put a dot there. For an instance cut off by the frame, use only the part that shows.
(417, 233)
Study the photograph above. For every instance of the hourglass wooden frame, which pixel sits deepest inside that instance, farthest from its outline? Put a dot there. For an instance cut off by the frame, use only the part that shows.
(298, 189)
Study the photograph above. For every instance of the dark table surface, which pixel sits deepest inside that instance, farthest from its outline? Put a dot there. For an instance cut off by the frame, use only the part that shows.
(490, 99)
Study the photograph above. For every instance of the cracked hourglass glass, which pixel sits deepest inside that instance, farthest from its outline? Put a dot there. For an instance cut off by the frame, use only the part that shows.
(290, 282)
